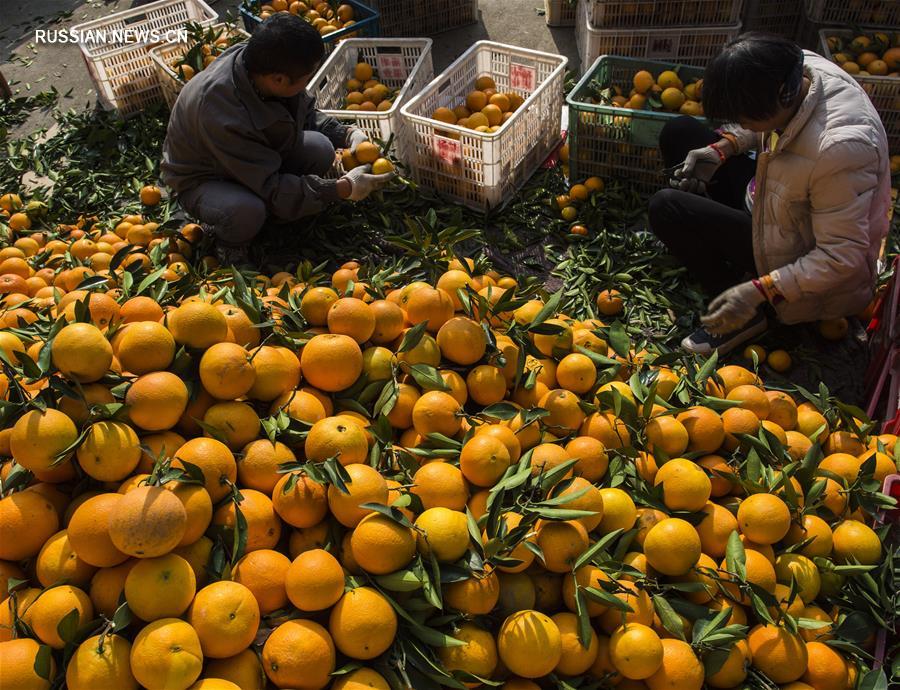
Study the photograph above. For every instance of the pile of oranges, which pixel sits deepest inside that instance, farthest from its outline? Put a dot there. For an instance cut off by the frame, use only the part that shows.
(666, 92)
(876, 55)
(322, 15)
(366, 153)
(579, 193)
(365, 92)
(206, 45)
(220, 481)
(484, 110)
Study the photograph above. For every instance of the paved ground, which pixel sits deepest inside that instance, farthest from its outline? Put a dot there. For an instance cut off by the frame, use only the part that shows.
(31, 68)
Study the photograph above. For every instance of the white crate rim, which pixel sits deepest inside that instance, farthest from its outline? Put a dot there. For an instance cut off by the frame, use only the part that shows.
(823, 43)
(213, 16)
(421, 119)
(424, 43)
(155, 52)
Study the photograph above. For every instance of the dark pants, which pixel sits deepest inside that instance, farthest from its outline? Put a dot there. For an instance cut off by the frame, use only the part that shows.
(235, 215)
(712, 234)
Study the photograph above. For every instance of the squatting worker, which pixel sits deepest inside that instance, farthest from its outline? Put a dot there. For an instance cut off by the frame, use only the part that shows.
(801, 226)
(245, 142)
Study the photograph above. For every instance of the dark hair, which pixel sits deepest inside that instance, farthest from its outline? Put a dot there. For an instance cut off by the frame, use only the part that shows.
(284, 44)
(752, 76)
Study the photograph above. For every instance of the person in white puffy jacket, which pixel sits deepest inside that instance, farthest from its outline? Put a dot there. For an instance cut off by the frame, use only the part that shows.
(798, 226)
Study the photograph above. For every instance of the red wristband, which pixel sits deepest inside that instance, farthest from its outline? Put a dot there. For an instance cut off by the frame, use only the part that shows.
(761, 289)
(716, 148)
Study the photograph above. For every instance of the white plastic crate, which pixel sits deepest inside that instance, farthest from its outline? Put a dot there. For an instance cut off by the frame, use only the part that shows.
(884, 92)
(855, 13)
(483, 170)
(122, 71)
(400, 63)
(644, 14)
(419, 18)
(560, 12)
(689, 45)
(165, 56)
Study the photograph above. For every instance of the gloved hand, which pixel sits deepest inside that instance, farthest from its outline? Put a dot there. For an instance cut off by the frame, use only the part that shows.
(355, 138)
(363, 183)
(696, 172)
(732, 309)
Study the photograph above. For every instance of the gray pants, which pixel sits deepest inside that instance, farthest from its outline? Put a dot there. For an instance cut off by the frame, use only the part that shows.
(233, 213)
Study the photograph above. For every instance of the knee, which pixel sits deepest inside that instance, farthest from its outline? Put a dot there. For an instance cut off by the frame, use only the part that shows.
(661, 209)
(318, 152)
(245, 220)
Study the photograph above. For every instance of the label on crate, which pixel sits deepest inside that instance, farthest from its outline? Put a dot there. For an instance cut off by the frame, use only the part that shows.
(522, 77)
(660, 47)
(448, 150)
(390, 66)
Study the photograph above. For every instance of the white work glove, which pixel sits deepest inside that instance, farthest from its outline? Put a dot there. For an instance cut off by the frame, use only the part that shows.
(363, 183)
(355, 138)
(732, 309)
(696, 172)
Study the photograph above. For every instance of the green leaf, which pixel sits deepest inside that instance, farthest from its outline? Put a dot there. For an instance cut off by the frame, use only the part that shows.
(43, 660)
(618, 339)
(67, 628)
(501, 410)
(550, 308)
(735, 556)
(428, 377)
(413, 336)
(670, 620)
(598, 546)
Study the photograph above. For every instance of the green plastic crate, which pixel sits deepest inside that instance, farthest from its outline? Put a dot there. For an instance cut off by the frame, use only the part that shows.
(618, 143)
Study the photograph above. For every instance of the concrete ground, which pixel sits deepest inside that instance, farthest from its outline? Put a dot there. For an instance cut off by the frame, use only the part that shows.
(31, 68)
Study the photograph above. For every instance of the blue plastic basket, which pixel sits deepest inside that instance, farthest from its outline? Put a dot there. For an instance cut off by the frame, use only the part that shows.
(365, 22)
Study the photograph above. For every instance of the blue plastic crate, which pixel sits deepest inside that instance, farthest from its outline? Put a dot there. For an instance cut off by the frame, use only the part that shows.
(365, 22)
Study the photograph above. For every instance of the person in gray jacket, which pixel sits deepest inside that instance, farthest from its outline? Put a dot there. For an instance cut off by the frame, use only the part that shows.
(246, 144)
(800, 227)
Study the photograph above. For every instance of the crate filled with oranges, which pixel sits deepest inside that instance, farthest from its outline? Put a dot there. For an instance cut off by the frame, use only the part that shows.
(873, 58)
(335, 22)
(480, 129)
(366, 80)
(178, 63)
(419, 18)
(616, 112)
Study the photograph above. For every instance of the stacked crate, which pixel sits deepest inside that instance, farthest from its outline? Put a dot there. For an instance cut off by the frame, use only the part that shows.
(418, 18)
(772, 17)
(865, 16)
(690, 32)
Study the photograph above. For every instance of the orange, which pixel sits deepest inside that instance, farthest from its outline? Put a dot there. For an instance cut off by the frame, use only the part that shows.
(166, 653)
(298, 500)
(436, 412)
(214, 459)
(367, 152)
(147, 522)
(306, 405)
(843, 442)
(109, 451)
(668, 434)
(592, 461)
(439, 484)
(277, 372)
(561, 543)
(826, 667)
(226, 371)
(764, 518)
(477, 595)
(586, 576)
(751, 398)
(236, 423)
(156, 401)
(619, 511)
(477, 656)
(815, 528)
(226, 617)
(680, 668)
(144, 346)
(856, 541)
(243, 669)
(635, 651)
(101, 663)
(476, 100)
(81, 352)
(483, 460)
(19, 665)
(431, 305)
(352, 317)
(57, 562)
(336, 436)
(38, 437)
(461, 341)
(263, 572)
(362, 623)
(566, 415)
(314, 581)
(331, 362)
(685, 485)
(27, 520)
(610, 302)
(672, 546)
(315, 304)
(198, 506)
(778, 653)
(844, 465)
(443, 532)
(380, 545)
(529, 644)
(715, 529)
(240, 327)
(759, 571)
(606, 428)
(150, 195)
(705, 429)
(161, 587)
(782, 410)
(389, 320)
(54, 604)
(107, 587)
(299, 653)
(197, 325)
(263, 525)
(366, 486)
(576, 372)
(738, 420)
